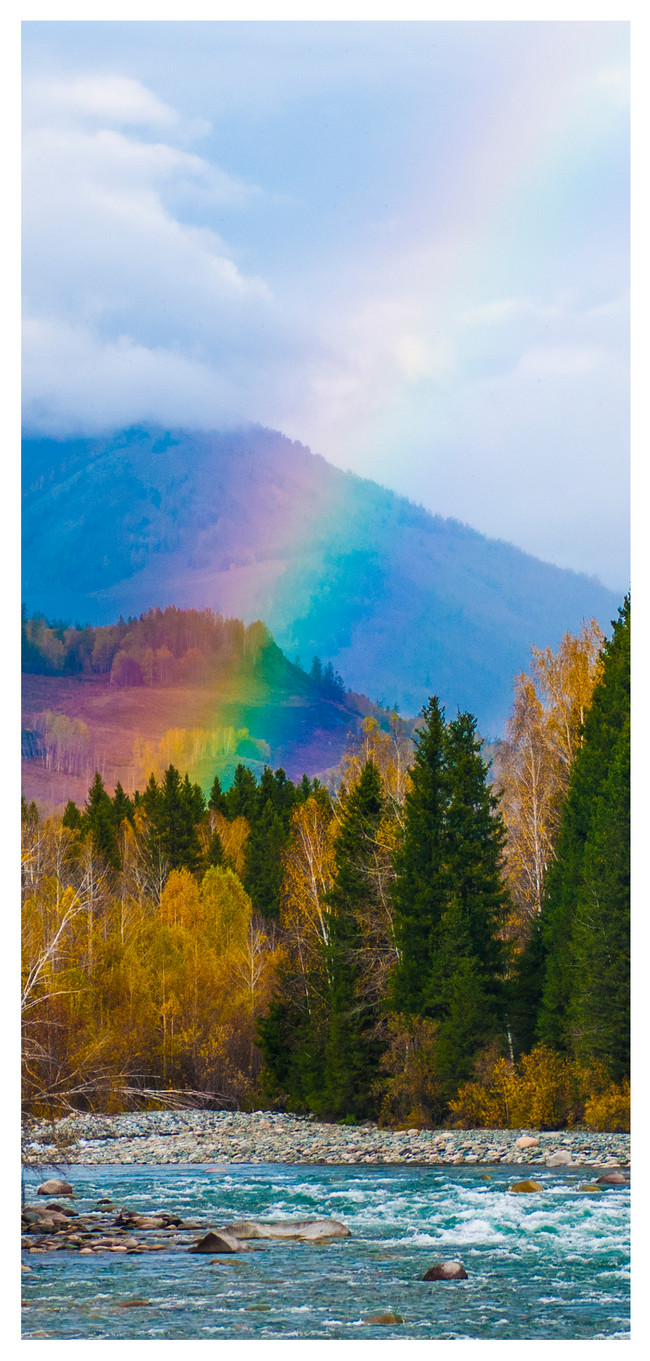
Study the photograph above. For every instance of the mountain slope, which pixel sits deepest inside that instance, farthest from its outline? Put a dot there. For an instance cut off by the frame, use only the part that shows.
(404, 603)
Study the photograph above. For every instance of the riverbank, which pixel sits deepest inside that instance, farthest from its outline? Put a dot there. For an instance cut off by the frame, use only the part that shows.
(179, 1137)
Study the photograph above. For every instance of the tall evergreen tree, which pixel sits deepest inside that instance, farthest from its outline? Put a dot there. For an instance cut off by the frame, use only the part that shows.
(420, 893)
(241, 797)
(98, 820)
(217, 800)
(598, 1017)
(351, 1051)
(174, 811)
(584, 895)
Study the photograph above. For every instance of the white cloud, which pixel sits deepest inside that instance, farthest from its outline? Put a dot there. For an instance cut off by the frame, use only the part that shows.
(100, 98)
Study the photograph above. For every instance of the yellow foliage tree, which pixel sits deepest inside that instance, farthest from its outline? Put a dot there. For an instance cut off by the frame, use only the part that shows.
(533, 764)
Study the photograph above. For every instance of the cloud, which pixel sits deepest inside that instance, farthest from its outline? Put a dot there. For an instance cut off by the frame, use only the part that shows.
(116, 283)
(100, 98)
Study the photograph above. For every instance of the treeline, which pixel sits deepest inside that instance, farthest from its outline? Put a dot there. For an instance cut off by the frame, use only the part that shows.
(427, 945)
(164, 648)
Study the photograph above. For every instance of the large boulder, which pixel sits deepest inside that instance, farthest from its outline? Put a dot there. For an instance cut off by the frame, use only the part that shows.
(446, 1271)
(612, 1179)
(523, 1188)
(526, 1141)
(561, 1158)
(219, 1242)
(307, 1230)
(55, 1187)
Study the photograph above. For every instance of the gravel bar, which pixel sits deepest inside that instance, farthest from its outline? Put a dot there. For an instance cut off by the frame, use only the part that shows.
(168, 1137)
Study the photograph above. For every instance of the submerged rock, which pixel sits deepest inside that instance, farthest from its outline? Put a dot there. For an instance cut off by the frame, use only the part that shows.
(384, 1318)
(526, 1187)
(591, 1186)
(219, 1242)
(446, 1271)
(311, 1230)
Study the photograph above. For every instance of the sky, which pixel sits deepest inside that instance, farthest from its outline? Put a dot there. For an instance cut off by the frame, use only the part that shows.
(403, 244)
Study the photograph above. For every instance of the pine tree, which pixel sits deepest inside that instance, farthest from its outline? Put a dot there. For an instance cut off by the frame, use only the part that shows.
(99, 822)
(575, 875)
(598, 1015)
(122, 806)
(217, 800)
(351, 1051)
(473, 842)
(241, 797)
(175, 811)
(420, 893)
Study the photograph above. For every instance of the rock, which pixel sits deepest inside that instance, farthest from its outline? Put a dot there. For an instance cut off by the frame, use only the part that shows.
(66, 1210)
(446, 1271)
(590, 1186)
(526, 1141)
(132, 1304)
(522, 1188)
(561, 1158)
(384, 1318)
(219, 1242)
(612, 1179)
(308, 1230)
(55, 1188)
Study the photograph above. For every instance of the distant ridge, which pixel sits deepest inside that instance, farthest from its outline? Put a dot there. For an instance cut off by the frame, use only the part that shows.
(404, 603)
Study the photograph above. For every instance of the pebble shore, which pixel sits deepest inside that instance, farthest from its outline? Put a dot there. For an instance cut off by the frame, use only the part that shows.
(171, 1137)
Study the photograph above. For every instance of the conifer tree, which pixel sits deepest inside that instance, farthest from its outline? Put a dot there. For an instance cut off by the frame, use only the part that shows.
(241, 797)
(99, 822)
(581, 886)
(420, 892)
(473, 842)
(351, 1052)
(217, 800)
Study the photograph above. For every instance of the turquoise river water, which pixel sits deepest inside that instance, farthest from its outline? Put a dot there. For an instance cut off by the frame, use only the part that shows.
(553, 1265)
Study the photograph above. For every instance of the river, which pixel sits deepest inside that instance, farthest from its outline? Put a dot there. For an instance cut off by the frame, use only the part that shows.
(553, 1265)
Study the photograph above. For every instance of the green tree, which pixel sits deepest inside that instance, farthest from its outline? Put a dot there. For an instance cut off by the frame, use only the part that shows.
(585, 915)
(351, 1051)
(420, 892)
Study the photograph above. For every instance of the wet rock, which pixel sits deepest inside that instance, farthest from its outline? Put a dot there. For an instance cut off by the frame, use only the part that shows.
(66, 1210)
(446, 1271)
(590, 1186)
(526, 1141)
(218, 1242)
(561, 1158)
(527, 1187)
(307, 1230)
(612, 1179)
(384, 1318)
(133, 1304)
(55, 1187)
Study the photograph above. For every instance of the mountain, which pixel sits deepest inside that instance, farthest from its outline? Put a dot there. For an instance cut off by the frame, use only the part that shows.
(404, 603)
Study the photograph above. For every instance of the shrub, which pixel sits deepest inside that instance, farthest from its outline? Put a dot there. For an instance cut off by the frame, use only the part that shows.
(610, 1110)
(411, 1096)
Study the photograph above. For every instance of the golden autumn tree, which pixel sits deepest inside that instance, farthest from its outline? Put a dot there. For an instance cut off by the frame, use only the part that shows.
(533, 764)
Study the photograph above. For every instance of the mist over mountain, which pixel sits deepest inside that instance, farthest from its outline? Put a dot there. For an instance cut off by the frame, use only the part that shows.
(404, 603)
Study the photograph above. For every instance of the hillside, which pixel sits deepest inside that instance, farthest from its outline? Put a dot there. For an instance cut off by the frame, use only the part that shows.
(402, 602)
(183, 687)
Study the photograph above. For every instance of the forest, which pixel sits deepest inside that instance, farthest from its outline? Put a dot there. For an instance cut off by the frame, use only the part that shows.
(434, 941)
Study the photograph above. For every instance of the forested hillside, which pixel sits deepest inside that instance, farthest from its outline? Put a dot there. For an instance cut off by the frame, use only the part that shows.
(403, 603)
(185, 687)
(420, 944)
